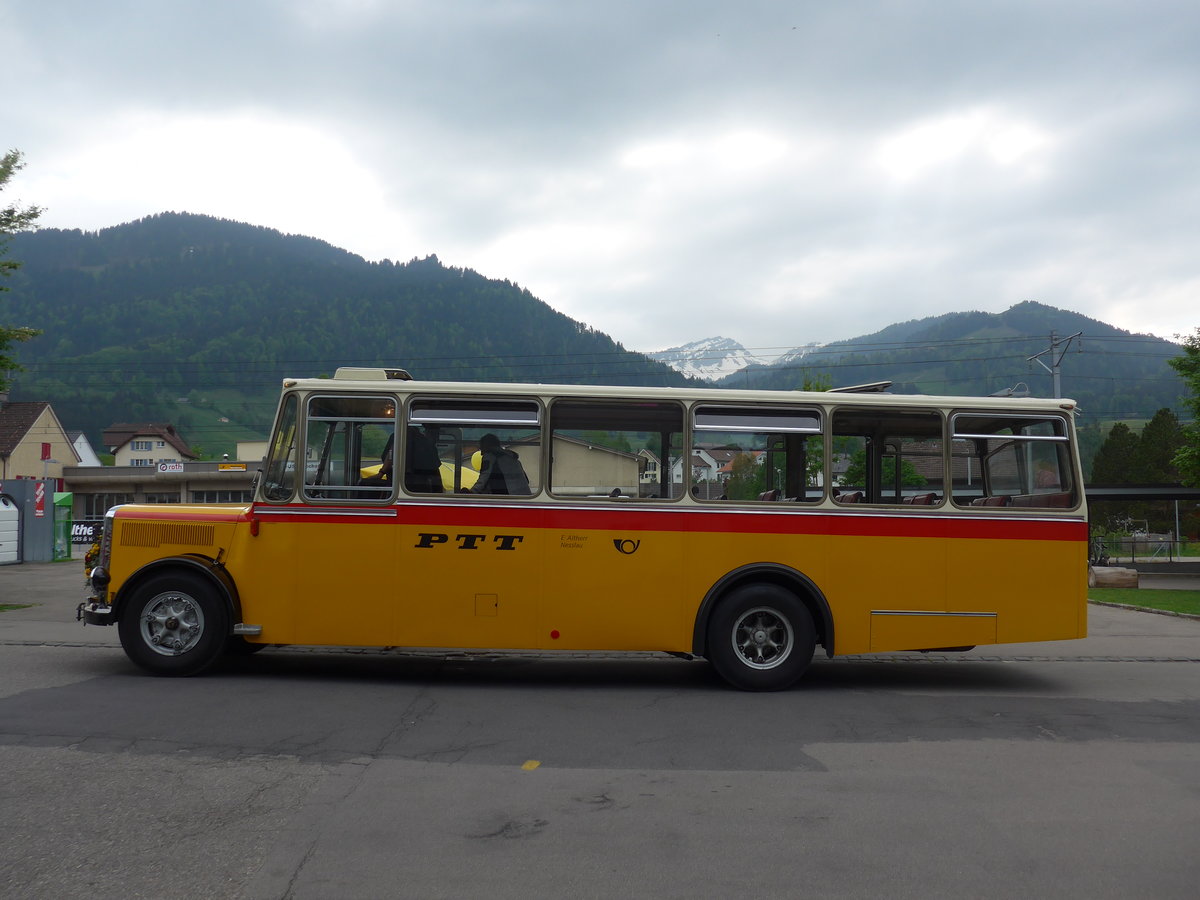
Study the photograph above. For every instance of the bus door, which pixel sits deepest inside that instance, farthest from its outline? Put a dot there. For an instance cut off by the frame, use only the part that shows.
(331, 540)
(471, 538)
(613, 557)
(891, 477)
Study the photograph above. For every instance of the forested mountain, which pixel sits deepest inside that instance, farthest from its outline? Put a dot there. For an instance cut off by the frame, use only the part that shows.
(195, 320)
(1114, 374)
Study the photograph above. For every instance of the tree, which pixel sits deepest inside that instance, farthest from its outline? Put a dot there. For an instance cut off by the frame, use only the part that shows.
(816, 381)
(1116, 457)
(1115, 463)
(1160, 441)
(856, 473)
(1187, 458)
(13, 218)
(747, 478)
(1154, 464)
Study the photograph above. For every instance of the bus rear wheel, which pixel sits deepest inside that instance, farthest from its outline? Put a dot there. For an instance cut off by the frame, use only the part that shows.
(761, 638)
(174, 624)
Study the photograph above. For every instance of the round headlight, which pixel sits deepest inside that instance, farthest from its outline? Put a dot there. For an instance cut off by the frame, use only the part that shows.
(100, 578)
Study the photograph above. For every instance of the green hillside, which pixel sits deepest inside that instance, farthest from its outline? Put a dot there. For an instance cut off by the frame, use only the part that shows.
(195, 321)
(1113, 374)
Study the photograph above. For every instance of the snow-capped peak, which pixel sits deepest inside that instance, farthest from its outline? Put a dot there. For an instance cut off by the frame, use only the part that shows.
(712, 358)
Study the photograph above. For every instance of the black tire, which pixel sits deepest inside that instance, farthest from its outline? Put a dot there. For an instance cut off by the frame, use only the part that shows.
(761, 638)
(174, 623)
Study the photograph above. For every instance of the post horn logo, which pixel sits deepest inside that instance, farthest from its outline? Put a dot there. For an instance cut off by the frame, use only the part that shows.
(626, 546)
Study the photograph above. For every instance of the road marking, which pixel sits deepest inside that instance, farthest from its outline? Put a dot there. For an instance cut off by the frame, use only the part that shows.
(530, 765)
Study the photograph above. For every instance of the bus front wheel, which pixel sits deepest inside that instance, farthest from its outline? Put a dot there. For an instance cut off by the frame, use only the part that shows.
(761, 638)
(174, 624)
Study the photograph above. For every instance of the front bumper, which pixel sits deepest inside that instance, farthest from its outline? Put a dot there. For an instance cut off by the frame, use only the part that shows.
(93, 612)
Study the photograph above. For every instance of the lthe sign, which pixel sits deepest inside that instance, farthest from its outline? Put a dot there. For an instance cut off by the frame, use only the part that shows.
(86, 531)
(39, 500)
(231, 467)
(164, 467)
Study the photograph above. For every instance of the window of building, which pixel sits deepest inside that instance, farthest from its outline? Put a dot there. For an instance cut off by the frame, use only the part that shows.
(140, 445)
(162, 498)
(141, 462)
(222, 496)
(96, 505)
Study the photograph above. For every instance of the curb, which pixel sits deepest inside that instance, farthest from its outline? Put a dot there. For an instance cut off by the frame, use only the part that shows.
(1147, 609)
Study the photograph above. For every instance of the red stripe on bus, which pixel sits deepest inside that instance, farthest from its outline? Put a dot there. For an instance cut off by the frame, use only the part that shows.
(170, 515)
(696, 521)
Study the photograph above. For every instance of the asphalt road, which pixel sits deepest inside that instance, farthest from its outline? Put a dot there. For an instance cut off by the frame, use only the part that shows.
(1068, 769)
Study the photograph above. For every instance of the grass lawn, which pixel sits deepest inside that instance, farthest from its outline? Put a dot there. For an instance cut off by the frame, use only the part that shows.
(5, 607)
(1171, 601)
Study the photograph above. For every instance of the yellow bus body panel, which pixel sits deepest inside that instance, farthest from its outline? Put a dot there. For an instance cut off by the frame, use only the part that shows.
(458, 574)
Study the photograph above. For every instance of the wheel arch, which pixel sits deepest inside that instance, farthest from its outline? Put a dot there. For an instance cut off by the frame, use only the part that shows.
(785, 577)
(209, 569)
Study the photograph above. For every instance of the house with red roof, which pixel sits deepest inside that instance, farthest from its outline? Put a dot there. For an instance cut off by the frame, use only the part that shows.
(33, 442)
(145, 444)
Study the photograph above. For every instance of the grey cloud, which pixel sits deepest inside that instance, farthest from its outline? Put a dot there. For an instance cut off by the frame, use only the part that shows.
(485, 120)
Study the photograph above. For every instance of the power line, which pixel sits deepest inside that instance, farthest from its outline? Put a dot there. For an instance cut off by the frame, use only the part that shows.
(633, 357)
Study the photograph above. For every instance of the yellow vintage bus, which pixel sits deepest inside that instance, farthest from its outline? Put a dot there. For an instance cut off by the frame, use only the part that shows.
(743, 527)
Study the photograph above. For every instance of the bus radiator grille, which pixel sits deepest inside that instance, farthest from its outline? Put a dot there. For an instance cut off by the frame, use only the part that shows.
(156, 534)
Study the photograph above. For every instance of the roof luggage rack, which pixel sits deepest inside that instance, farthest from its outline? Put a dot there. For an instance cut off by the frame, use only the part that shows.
(350, 373)
(874, 387)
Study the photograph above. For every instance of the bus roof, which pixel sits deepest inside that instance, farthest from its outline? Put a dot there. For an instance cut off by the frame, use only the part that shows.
(363, 379)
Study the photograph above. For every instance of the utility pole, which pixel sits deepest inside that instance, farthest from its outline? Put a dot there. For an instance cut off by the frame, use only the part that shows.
(1056, 356)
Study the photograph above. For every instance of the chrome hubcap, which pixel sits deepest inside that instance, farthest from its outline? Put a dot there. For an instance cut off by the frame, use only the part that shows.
(762, 638)
(172, 623)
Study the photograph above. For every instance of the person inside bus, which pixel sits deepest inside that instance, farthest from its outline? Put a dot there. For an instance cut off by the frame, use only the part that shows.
(423, 466)
(1047, 477)
(422, 469)
(387, 460)
(500, 470)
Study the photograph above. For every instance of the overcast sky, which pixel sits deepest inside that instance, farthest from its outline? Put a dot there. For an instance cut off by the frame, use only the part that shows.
(777, 173)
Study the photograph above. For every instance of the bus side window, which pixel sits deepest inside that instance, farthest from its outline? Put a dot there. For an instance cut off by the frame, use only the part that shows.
(345, 434)
(1024, 459)
(279, 470)
(473, 446)
(757, 453)
(888, 456)
(617, 450)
